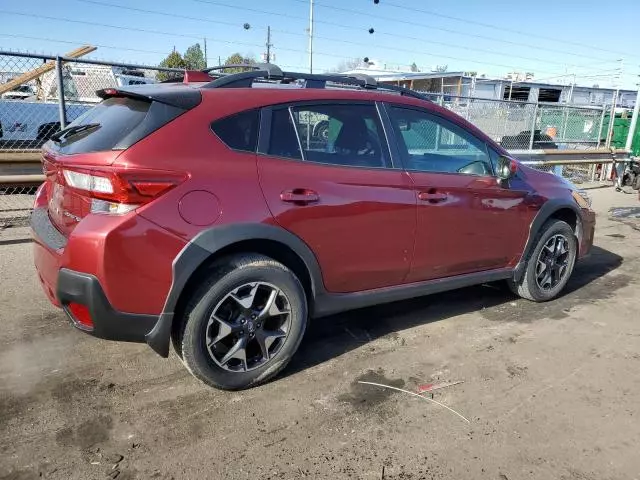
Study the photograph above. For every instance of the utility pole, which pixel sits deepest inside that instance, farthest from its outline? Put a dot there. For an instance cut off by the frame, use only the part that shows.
(310, 36)
(206, 60)
(614, 103)
(634, 121)
(269, 45)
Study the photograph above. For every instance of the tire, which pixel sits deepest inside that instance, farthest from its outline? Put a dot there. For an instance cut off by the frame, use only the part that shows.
(237, 291)
(534, 279)
(636, 182)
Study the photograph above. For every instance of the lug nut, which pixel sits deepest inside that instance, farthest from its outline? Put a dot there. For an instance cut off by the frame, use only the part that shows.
(253, 316)
(243, 321)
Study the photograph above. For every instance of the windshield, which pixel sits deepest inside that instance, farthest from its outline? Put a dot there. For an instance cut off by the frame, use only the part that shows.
(111, 121)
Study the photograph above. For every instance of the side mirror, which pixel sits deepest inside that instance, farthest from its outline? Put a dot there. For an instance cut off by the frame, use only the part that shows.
(506, 168)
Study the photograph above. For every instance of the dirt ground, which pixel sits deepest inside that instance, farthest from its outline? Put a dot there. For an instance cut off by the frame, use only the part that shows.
(551, 391)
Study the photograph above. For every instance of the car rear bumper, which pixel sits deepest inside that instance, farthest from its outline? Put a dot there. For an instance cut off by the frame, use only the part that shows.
(108, 323)
(65, 285)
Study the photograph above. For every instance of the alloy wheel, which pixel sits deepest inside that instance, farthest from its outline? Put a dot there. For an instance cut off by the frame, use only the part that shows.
(553, 262)
(248, 326)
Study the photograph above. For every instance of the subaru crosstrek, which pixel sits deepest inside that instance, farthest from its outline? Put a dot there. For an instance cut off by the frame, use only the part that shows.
(221, 213)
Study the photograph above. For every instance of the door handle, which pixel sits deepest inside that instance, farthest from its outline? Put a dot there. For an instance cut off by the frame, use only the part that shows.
(432, 197)
(301, 196)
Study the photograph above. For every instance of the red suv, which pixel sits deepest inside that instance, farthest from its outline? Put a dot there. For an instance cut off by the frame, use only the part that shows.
(223, 214)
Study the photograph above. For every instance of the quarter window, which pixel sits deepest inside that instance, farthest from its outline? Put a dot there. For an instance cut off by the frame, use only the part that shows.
(429, 143)
(239, 131)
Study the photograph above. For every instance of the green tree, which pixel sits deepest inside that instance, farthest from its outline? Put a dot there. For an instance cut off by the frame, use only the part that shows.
(194, 58)
(238, 59)
(173, 60)
(414, 67)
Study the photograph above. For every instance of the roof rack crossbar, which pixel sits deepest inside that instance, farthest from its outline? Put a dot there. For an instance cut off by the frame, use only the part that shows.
(270, 68)
(369, 82)
(270, 71)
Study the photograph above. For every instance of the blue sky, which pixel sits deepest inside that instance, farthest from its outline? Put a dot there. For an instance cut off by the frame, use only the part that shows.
(552, 38)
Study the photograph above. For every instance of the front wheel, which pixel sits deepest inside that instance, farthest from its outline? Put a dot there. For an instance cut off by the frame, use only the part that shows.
(244, 323)
(551, 263)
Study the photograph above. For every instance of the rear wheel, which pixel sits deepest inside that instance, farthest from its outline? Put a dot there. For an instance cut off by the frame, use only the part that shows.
(550, 264)
(244, 323)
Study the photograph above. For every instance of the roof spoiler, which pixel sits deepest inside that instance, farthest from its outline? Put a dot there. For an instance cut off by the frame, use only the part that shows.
(170, 94)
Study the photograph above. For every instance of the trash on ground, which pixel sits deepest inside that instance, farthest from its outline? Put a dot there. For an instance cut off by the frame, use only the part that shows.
(415, 395)
(430, 387)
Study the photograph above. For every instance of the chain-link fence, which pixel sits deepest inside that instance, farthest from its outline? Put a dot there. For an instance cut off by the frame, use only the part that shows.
(15, 204)
(32, 110)
(31, 107)
(579, 174)
(530, 126)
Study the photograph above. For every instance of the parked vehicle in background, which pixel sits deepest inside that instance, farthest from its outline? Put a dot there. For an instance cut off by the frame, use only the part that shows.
(222, 215)
(30, 115)
(521, 141)
(629, 175)
(21, 92)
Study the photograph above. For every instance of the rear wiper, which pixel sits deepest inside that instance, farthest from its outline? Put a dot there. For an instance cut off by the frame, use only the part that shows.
(62, 134)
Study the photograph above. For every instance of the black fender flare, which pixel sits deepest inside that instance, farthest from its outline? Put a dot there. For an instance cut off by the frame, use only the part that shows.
(545, 213)
(207, 243)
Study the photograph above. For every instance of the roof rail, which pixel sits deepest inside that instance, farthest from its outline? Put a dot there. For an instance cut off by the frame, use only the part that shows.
(269, 71)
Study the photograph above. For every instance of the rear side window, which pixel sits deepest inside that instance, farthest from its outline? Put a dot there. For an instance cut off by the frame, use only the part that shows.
(239, 131)
(334, 134)
(114, 124)
(284, 141)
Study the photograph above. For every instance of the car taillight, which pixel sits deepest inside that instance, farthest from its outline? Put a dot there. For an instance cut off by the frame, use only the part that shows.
(118, 192)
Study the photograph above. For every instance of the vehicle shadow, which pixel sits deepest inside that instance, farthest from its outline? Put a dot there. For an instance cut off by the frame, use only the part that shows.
(330, 337)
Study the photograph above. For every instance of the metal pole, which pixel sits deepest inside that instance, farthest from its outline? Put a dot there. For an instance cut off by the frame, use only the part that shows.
(62, 108)
(269, 44)
(565, 116)
(206, 60)
(614, 103)
(310, 36)
(604, 112)
(634, 121)
(533, 126)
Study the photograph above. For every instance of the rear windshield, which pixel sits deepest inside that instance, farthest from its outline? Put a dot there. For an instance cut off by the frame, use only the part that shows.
(114, 118)
(115, 124)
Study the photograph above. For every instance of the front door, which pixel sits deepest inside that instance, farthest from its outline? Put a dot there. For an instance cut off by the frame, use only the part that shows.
(327, 177)
(467, 221)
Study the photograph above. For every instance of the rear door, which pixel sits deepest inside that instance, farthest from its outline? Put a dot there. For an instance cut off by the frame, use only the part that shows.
(467, 221)
(328, 177)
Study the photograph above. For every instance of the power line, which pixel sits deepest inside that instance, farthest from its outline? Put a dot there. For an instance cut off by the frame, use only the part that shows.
(200, 36)
(442, 29)
(70, 42)
(159, 32)
(186, 17)
(351, 27)
(481, 50)
(501, 28)
(134, 29)
(466, 48)
(295, 67)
